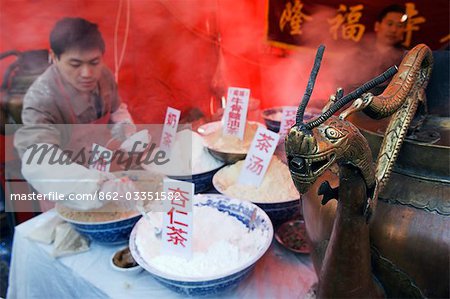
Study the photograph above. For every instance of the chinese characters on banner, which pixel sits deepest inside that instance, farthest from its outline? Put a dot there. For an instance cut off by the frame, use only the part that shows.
(345, 24)
(293, 17)
(177, 218)
(258, 158)
(235, 114)
(292, 22)
(413, 22)
(288, 114)
(101, 159)
(169, 130)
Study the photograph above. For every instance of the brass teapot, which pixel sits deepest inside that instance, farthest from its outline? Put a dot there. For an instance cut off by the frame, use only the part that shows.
(388, 233)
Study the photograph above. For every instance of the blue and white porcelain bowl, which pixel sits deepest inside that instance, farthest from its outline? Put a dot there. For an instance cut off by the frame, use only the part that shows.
(111, 232)
(248, 214)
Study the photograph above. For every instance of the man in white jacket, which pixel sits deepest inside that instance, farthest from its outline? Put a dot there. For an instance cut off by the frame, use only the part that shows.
(76, 89)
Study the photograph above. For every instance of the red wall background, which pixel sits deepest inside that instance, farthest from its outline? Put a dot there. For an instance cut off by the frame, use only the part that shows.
(172, 53)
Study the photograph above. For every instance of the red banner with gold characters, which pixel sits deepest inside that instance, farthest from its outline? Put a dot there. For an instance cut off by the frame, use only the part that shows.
(305, 22)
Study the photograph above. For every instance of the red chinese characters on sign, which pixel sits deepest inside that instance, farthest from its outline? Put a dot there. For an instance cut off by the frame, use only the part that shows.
(264, 143)
(176, 234)
(180, 196)
(258, 157)
(172, 221)
(233, 125)
(234, 116)
(287, 120)
(255, 165)
(172, 120)
(101, 159)
(169, 130)
(100, 164)
(240, 93)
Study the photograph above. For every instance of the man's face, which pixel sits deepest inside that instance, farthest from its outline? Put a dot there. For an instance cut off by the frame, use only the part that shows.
(81, 68)
(391, 29)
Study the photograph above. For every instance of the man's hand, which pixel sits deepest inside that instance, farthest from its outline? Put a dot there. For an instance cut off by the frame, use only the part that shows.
(122, 131)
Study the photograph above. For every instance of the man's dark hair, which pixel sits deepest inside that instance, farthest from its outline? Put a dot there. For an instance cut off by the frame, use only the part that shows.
(78, 33)
(391, 8)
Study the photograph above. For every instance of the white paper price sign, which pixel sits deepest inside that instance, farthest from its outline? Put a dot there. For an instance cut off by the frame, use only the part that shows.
(258, 158)
(177, 218)
(235, 114)
(288, 114)
(101, 158)
(169, 130)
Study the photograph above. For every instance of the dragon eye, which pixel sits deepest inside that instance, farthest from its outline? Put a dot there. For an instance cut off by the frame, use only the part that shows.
(333, 133)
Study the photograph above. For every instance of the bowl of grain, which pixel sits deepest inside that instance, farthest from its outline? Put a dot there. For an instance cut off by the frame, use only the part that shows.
(276, 195)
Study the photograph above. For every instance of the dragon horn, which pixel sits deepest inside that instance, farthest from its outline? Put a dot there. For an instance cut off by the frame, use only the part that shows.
(310, 86)
(351, 97)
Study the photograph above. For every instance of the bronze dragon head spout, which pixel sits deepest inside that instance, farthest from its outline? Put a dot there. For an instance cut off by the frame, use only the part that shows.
(311, 153)
(312, 147)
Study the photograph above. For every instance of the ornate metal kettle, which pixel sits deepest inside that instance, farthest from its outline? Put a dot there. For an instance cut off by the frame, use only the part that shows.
(388, 233)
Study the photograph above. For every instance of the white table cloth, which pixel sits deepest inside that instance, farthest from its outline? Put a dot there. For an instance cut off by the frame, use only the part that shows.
(35, 273)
